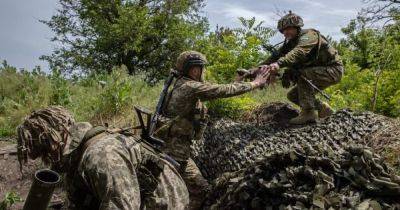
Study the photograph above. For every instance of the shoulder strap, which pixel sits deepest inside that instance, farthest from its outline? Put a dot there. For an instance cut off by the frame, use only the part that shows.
(92, 133)
(320, 37)
(166, 103)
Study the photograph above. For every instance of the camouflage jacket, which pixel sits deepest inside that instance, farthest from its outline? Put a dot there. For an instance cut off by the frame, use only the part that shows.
(309, 49)
(184, 111)
(108, 175)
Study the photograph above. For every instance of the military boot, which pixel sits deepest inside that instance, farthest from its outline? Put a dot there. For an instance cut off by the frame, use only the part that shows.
(325, 110)
(305, 116)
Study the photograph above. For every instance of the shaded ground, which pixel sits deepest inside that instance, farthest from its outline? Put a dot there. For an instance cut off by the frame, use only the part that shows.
(11, 178)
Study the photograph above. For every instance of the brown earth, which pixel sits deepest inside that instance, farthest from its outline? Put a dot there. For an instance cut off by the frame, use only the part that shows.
(13, 180)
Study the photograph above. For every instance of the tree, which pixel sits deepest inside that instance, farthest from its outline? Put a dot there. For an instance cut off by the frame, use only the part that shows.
(229, 49)
(381, 10)
(358, 42)
(143, 35)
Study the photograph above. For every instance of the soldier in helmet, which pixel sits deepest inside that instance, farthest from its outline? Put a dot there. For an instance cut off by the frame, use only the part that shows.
(306, 54)
(103, 169)
(185, 115)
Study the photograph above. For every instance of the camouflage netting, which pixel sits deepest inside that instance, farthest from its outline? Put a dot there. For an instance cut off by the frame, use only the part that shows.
(320, 165)
(313, 178)
(229, 146)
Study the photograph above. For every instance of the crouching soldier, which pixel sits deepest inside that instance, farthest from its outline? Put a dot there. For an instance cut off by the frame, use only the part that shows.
(308, 56)
(103, 169)
(184, 116)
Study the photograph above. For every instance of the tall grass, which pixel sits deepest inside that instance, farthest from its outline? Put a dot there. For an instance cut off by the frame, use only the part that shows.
(99, 99)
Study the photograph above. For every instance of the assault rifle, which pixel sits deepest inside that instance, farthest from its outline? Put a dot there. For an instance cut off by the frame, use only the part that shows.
(161, 101)
(149, 127)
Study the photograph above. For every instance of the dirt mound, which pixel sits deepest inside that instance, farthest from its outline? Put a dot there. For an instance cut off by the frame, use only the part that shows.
(230, 145)
(317, 179)
(264, 162)
(274, 113)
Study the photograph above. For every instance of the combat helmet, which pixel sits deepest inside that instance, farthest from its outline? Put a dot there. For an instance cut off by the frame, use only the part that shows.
(290, 20)
(44, 133)
(188, 59)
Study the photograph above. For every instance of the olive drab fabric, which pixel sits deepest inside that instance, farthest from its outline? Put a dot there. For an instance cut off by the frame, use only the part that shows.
(184, 118)
(197, 185)
(303, 94)
(309, 49)
(184, 104)
(310, 56)
(290, 20)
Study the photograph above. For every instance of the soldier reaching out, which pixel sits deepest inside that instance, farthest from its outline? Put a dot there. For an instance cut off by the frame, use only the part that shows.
(307, 55)
(184, 115)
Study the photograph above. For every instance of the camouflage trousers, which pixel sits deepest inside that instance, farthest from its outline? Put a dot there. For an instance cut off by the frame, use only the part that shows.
(197, 185)
(303, 94)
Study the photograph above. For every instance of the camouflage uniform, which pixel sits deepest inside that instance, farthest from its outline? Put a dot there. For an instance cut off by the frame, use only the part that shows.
(311, 56)
(185, 121)
(113, 173)
(103, 169)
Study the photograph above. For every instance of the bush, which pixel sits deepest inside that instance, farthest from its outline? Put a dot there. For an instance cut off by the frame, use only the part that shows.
(96, 98)
(230, 107)
(21, 92)
(356, 91)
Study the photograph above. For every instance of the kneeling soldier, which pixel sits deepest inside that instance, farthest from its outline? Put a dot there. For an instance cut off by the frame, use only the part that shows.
(308, 56)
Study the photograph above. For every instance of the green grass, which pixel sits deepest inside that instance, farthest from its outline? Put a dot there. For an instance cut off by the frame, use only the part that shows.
(87, 99)
(269, 94)
(101, 99)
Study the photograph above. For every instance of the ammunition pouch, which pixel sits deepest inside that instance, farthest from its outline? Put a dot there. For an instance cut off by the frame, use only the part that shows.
(199, 127)
(200, 121)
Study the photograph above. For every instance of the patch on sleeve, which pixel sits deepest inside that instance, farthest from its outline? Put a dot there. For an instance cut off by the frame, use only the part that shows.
(304, 38)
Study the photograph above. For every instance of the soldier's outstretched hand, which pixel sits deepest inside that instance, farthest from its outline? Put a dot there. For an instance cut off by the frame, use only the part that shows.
(261, 78)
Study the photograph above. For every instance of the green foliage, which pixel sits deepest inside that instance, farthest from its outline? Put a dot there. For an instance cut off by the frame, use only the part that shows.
(121, 91)
(20, 93)
(228, 50)
(145, 36)
(231, 107)
(60, 89)
(117, 92)
(96, 98)
(10, 199)
(371, 80)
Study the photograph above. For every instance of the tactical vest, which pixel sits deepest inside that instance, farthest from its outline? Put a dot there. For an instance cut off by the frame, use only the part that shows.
(323, 54)
(198, 119)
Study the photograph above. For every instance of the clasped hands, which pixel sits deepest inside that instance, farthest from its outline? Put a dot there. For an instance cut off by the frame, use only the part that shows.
(267, 73)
